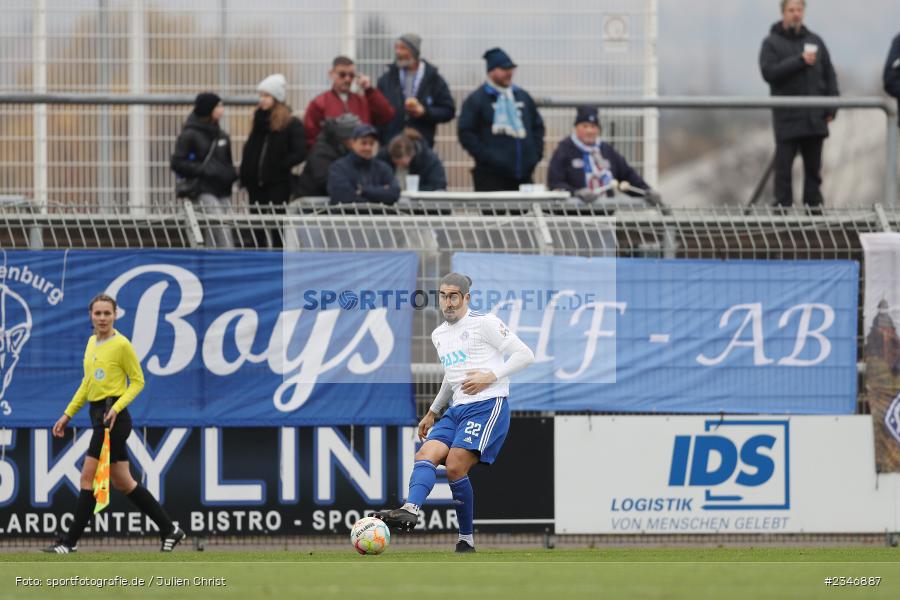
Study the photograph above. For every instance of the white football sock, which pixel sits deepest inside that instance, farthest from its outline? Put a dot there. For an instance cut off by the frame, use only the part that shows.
(469, 539)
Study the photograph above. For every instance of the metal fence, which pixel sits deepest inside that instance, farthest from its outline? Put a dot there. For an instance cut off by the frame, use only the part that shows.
(436, 229)
(112, 155)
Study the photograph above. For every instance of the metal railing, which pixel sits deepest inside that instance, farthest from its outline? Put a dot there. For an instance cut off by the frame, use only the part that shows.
(124, 182)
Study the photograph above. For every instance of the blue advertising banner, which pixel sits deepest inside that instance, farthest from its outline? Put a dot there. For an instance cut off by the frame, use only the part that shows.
(640, 335)
(224, 338)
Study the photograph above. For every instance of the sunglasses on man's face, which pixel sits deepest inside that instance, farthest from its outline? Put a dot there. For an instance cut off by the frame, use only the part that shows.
(345, 74)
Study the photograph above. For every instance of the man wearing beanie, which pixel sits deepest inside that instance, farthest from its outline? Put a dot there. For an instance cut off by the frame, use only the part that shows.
(586, 166)
(202, 155)
(332, 144)
(500, 126)
(370, 106)
(420, 96)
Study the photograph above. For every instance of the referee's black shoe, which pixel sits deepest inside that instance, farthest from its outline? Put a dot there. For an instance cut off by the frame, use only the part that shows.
(60, 546)
(399, 518)
(462, 546)
(172, 539)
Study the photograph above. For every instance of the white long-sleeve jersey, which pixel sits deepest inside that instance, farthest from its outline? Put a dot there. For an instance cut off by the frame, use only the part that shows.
(477, 342)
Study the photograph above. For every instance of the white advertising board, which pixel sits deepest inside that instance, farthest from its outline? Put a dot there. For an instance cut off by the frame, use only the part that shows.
(696, 474)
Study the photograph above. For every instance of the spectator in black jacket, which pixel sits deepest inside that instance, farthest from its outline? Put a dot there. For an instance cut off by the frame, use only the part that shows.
(795, 62)
(276, 144)
(500, 126)
(586, 166)
(201, 137)
(407, 154)
(333, 143)
(419, 95)
(359, 176)
(892, 70)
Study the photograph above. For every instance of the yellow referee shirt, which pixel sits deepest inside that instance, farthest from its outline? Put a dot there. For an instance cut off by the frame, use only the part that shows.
(106, 365)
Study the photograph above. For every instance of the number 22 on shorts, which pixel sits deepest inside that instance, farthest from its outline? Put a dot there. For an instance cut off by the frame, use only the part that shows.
(472, 428)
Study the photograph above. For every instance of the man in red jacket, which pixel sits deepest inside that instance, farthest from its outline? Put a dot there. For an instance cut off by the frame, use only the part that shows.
(370, 106)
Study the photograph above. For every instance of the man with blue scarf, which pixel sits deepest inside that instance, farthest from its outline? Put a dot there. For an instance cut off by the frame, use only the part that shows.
(587, 167)
(500, 126)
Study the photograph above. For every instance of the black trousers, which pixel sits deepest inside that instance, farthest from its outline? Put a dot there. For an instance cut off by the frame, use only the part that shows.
(785, 152)
(269, 200)
(491, 182)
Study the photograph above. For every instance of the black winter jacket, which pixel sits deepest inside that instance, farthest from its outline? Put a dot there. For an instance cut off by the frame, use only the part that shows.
(425, 164)
(502, 155)
(433, 93)
(892, 70)
(270, 155)
(313, 181)
(191, 148)
(355, 179)
(566, 170)
(783, 68)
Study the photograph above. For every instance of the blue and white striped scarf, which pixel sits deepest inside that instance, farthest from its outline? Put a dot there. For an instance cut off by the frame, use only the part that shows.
(507, 120)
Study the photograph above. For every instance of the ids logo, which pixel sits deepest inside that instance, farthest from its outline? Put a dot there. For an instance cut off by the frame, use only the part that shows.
(738, 464)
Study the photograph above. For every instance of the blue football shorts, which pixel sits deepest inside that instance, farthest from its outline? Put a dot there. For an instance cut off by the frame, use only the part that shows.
(478, 426)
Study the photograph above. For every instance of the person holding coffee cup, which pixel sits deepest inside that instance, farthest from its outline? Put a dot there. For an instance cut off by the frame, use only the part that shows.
(419, 94)
(415, 165)
(795, 62)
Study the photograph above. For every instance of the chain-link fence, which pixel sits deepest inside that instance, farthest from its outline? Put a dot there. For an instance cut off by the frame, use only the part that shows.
(113, 155)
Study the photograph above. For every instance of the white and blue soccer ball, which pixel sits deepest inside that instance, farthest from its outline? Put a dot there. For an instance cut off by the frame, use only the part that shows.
(370, 536)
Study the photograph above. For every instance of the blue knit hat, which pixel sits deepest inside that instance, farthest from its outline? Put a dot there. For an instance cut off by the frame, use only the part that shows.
(587, 114)
(497, 58)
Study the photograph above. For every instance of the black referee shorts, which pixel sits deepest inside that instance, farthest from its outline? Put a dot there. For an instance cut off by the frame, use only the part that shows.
(117, 435)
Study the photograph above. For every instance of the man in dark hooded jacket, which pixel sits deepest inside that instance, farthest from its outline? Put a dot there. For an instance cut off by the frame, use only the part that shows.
(795, 62)
(333, 143)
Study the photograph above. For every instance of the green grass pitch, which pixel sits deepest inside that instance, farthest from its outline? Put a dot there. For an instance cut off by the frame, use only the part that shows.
(729, 573)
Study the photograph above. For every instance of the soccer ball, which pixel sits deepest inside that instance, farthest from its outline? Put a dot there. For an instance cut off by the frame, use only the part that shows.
(370, 536)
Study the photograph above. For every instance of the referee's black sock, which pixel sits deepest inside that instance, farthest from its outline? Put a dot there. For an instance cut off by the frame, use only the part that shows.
(84, 508)
(145, 501)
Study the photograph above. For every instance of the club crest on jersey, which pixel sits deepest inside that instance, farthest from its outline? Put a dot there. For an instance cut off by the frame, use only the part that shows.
(99, 374)
(464, 336)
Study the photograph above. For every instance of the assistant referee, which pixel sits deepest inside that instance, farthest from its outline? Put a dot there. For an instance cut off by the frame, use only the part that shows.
(112, 379)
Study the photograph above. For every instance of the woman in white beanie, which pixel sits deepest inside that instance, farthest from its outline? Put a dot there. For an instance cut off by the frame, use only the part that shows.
(276, 144)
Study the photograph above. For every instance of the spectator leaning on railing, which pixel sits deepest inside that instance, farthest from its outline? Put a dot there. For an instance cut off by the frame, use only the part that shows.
(370, 106)
(202, 158)
(332, 144)
(795, 62)
(500, 126)
(587, 167)
(407, 154)
(419, 95)
(892, 70)
(359, 176)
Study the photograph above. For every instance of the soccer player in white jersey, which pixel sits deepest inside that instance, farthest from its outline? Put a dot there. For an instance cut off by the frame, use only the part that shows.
(471, 346)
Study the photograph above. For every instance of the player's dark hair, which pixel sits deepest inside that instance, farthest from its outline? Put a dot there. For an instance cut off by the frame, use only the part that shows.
(102, 298)
(463, 282)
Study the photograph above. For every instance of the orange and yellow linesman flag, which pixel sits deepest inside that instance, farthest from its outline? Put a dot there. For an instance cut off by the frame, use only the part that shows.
(101, 476)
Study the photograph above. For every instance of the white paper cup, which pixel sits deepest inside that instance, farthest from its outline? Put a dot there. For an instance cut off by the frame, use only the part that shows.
(412, 183)
(814, 48)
